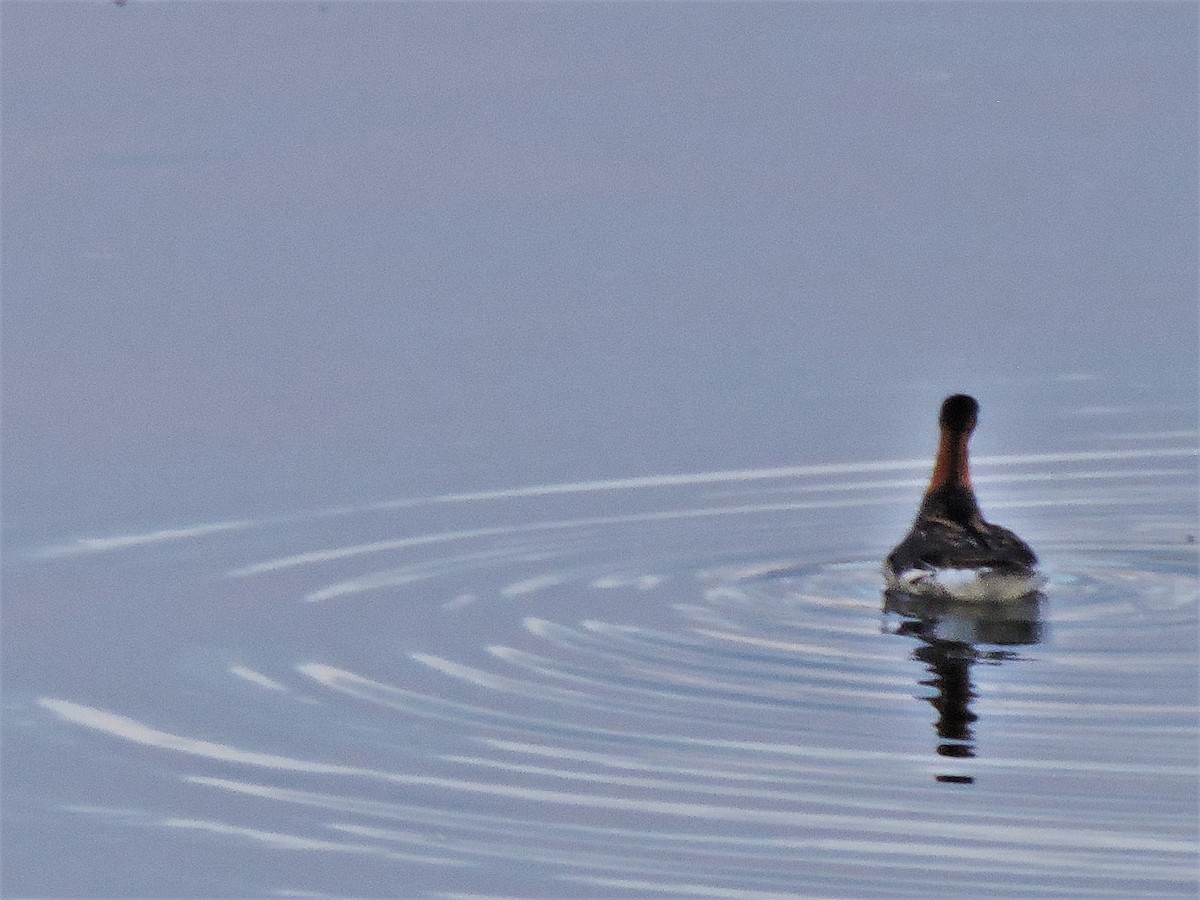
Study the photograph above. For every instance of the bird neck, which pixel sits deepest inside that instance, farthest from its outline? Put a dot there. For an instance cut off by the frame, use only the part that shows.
(951, 468)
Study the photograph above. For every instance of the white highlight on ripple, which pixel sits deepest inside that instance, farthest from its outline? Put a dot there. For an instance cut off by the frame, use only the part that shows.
(531, 585)
(281, 841)
(1007, 478)
(474, 833)
(122, 541)
(561, 843)
(899, 835)
(808, 650)
(640, 582)
(257, 678)
(332, 554)
(329, 555)
(734, 475)
(485, 679)
(379, 693)
(119, 542)
(612, 761)
(459, 602)
(140, 733)
(374, 582)
(686, 665)
(421, 572)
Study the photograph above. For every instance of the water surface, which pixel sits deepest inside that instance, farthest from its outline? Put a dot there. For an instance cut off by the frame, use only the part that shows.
(449, 448)
(689, 684)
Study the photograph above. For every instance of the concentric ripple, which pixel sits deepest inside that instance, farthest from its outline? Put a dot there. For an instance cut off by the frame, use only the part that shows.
(682, 685)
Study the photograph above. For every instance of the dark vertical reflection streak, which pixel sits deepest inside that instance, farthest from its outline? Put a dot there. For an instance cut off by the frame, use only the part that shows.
(950, 664)
(950, 633)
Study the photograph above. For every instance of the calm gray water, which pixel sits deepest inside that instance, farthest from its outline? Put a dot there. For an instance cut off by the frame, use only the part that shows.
(686, 685)
(449, 450)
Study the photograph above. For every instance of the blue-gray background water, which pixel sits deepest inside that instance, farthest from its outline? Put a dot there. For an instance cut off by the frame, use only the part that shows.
(448, 449)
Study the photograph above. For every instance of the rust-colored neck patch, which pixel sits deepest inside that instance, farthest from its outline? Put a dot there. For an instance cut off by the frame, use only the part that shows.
(951, 468)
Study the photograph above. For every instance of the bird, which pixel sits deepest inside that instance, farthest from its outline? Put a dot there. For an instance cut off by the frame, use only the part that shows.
(950, 549)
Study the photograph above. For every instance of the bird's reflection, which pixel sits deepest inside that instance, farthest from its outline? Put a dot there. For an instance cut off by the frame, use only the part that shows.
(954, 635)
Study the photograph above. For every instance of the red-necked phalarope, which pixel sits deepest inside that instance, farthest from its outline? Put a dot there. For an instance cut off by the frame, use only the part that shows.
(950, 550)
